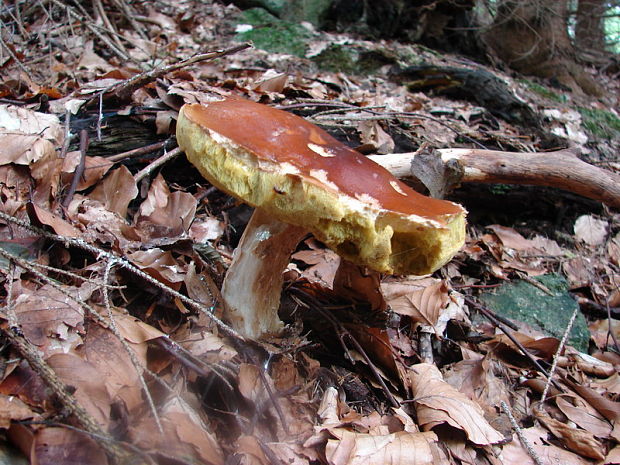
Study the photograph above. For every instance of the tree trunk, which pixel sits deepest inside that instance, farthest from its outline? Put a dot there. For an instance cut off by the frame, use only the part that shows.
(589, 34)
(531, 36)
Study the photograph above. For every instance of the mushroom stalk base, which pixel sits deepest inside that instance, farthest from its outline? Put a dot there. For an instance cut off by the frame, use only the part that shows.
(253, 284)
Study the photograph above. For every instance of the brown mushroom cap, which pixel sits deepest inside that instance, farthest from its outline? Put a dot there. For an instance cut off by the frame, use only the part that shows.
(301, 175)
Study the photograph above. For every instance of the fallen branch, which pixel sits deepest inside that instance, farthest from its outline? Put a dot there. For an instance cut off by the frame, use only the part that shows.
(442, 169)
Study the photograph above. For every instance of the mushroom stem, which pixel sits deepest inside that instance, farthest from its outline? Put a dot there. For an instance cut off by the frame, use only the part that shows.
(253, 283)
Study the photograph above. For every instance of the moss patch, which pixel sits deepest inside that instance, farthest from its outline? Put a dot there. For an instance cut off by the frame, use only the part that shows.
(522, 301)
(350, 59)
(544, 91)
(601, 123)
(272, 34)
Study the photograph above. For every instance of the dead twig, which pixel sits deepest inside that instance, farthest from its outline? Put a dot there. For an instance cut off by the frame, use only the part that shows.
(139, 151)
(128, 87)
(140, 369)
(79, 169)
(100, 253)
(493, 318)
(341, 330)
(558, 352)
(526, 444)
(560, 169)
(147, 170)
(49, 377)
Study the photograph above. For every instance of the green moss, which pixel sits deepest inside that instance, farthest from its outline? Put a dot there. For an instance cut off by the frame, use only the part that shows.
(601, 123)
(500, 189)
(272, 34)
(522, 301)
(313, 11)
(350, 59)
(544, 91)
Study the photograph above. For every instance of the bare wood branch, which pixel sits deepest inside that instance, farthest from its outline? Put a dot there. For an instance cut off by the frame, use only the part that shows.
(561, 169)
(129, 86)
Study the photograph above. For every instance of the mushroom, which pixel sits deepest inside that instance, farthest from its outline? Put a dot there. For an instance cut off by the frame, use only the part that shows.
(302, 180)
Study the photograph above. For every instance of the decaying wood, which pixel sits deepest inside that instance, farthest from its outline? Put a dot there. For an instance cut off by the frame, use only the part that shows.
(443, 169)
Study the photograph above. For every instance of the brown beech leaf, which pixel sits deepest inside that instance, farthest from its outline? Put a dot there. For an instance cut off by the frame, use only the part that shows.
(185, 435)
(59, 225)
(478, 380)
(511, 238)
(50, 319)
(323, 263)
(372, 439)
(250, 384)
(163, 121)
(64, 446)
(359, 284)
(11, 408)
(165, 214)
(400, 448)
(94, 170)
(580, 441)
(105, 353)
(372, 133)
(27, 136)
(15, 189)
(271, 81)
(437, 402)
(160, 264)
(514, 453)
(116, 191)
(421, 299)
(90, 392)
(134, 330)
(587, 420)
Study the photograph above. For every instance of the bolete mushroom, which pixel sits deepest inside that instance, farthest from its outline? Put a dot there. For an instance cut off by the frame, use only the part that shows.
(302, 180)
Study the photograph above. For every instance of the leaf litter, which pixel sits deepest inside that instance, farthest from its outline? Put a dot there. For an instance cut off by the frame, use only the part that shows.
(347, 383)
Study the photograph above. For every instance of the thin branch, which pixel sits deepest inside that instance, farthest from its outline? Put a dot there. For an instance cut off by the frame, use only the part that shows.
(147, 170)
(526, 444)
(79, 169)
(124, 89)
(100, 253)
(556, 356)
(132, 355)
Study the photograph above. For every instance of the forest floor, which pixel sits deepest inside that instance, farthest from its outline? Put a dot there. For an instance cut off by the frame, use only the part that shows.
(113, 251)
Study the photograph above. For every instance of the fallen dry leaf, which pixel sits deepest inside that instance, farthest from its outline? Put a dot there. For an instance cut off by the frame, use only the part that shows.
(587, 420)
(50, 319)
(437, 402)
(401, 448)
(160, 264)
(422, 300)
(94, 170)
(511, 238)
(580, 441)
(27, 136)
(116, 191)
(590, 230)
(185, 440)
(514, 453)
(12, 408)
(60, 226)
(164, 214)
(53, 445)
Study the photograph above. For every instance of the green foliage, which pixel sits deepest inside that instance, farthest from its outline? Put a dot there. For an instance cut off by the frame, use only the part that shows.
(601, 123)
(272, 34)
(524, 302)
(500, 189)
(351, 60)
(544, 91)
(612, 29)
